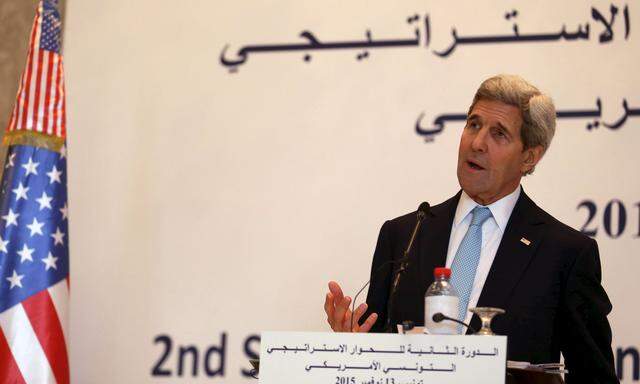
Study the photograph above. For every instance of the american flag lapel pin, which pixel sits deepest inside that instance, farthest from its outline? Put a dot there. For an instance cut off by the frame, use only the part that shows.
(525, 241)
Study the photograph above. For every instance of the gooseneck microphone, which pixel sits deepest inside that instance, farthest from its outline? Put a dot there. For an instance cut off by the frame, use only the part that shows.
(423, 210)
(439, 317)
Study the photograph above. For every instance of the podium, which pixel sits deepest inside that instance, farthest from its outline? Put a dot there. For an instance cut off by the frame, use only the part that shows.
(347, 358)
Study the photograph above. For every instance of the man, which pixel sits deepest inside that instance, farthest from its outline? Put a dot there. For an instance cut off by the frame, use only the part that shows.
(504, 251)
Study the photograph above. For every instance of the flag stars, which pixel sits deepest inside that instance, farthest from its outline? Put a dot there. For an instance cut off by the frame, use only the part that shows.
(15, 280)
(65, 211)
(50, 262)
(63, 151)
(35, 227)
(21, 192)
(3, 245)
(57, 237)
(10, 162)
(11, 218)
(44, 201)
(31, 167)
(26, 253)
(54, 175)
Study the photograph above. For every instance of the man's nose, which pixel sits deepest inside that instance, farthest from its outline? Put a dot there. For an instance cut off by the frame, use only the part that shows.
(479, 142)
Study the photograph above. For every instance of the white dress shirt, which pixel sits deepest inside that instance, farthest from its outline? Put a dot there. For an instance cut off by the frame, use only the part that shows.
(492, 231)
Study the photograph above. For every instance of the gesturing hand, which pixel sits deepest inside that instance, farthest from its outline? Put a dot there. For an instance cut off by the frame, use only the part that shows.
(339, 315)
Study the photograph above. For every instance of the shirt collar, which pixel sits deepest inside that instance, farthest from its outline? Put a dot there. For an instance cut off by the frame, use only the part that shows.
(500, 210)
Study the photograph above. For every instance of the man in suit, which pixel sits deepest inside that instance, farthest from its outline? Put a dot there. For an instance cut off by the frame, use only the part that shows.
(504, 251)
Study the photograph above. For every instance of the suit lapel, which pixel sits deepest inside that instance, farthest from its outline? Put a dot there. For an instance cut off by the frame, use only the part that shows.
(433, 245)
(522, 237)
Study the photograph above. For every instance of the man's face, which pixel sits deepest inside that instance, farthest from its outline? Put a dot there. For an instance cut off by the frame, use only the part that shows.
(491, 160)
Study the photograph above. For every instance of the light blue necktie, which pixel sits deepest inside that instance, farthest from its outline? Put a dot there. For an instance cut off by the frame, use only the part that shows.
(463, 268)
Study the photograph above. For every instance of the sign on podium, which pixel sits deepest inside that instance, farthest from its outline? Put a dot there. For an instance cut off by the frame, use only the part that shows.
(356, 358)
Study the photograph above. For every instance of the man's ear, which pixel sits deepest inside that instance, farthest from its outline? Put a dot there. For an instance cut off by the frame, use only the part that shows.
(531, 157)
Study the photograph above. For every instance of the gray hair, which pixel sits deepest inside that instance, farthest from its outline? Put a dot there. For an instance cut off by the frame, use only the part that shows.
(537, 109)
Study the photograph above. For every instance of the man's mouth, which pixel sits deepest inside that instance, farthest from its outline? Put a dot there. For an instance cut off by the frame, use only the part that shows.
(474, 165)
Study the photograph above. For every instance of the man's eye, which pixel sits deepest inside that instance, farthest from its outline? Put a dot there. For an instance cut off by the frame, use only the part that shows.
(499, 133)
(473, 125)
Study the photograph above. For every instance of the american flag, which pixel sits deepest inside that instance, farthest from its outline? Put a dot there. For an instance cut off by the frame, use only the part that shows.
(34, 240)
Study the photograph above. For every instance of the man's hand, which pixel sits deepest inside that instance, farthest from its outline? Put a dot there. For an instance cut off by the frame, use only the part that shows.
(339, 315)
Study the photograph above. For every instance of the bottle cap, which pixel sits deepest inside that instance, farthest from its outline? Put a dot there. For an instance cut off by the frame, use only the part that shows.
(441, 271)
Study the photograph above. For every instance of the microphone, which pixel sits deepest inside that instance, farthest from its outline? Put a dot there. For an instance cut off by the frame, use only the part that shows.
(439, 317)
(422, 212)
(423, 209)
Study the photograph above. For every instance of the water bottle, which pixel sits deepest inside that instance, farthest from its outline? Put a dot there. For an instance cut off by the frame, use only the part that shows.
(441, 297)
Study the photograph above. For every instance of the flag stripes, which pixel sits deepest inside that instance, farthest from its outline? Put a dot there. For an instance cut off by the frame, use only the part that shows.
(40, 98)
(35, 331)
(26, 349)
(8, 366)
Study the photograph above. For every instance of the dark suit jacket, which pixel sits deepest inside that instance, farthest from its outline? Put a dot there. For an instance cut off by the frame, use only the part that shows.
(550, 288)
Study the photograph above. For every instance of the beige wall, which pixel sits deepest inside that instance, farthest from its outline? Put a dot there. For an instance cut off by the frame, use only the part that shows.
(205, 202)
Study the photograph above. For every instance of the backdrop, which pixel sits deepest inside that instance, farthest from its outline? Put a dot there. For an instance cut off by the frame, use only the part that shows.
(229, 158)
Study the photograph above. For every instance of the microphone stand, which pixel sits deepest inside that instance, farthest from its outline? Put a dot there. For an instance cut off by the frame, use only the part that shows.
(403, 266)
